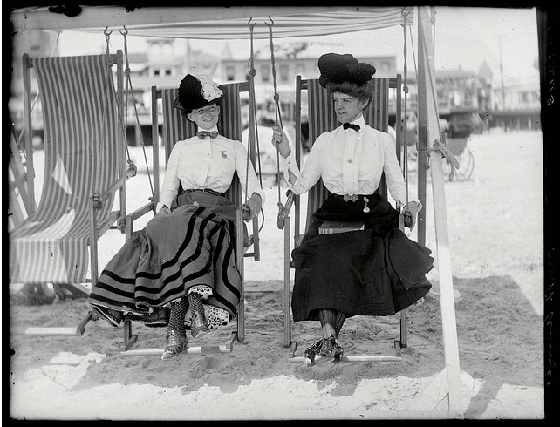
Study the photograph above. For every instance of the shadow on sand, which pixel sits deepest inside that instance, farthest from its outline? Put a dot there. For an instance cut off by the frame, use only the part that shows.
(499, 335)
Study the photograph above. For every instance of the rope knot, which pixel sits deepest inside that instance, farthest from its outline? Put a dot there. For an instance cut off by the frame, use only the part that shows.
(252, 73)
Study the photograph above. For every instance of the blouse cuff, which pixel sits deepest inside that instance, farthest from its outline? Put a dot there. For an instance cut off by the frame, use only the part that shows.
(289, 164)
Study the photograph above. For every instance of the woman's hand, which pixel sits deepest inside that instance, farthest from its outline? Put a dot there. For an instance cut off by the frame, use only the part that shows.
(410, 213)
(164, 211)
(280, 141)
(252, 208)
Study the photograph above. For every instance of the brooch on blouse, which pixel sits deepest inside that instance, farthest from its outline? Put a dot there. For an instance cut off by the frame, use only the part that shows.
(366, 207)
(224, 155)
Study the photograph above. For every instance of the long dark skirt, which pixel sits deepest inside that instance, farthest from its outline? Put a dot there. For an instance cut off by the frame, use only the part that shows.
(194, 245)
(377, 271)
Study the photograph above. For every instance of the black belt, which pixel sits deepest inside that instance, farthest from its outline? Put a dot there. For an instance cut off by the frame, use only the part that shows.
(351, 197)
(204, 190)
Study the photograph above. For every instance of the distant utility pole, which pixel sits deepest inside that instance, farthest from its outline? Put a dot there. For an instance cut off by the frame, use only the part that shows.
(502, 75)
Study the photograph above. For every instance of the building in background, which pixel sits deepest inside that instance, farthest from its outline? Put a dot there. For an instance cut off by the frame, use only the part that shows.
(517, 104)
(163, 62)
(290, 60)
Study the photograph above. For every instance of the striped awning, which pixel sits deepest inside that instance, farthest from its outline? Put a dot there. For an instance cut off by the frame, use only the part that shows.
(214, 22)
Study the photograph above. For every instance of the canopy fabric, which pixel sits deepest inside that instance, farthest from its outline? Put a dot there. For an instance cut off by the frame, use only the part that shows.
(215, 22)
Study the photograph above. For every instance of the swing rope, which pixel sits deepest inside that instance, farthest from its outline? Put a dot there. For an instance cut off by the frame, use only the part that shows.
(252, 102)
(278, 111)
(405, 90)
(128, 90)
(129, 83)
(253, 129)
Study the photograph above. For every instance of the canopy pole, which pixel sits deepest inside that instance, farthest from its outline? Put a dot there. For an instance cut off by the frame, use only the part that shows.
(430, 135)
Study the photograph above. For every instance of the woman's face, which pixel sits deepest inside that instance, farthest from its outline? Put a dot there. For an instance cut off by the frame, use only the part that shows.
(346, 107)
(205, 117)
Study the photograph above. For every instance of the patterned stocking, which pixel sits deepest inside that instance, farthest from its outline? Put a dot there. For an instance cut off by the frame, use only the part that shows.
(199, 323)
(176, 333)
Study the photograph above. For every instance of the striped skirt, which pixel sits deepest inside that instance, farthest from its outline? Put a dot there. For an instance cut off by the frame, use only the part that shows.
(192, 246)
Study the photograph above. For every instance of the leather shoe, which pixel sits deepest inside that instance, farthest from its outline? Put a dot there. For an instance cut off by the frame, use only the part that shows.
(176, 343)
(311, 352)
(199, 325)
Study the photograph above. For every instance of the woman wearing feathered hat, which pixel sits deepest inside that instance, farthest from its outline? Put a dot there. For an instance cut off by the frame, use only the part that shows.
(181, 268)
(375, 271)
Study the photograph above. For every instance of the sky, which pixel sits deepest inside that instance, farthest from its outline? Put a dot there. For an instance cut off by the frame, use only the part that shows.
(464, 37)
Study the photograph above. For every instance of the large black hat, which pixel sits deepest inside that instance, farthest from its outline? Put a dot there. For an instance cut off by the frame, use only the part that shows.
(338, 69)
(197, 92)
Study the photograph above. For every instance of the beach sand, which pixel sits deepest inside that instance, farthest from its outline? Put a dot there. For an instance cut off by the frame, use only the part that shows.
(496, 248)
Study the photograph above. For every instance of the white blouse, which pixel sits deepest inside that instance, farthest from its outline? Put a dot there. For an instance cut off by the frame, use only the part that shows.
(350, 162)
(207, 163)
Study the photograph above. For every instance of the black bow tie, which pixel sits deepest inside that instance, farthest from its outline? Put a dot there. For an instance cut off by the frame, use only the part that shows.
(348, 125)
(202, 134)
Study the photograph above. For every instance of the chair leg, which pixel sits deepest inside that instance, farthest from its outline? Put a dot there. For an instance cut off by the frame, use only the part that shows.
(77, 290)
(82, 326)
(129, 339)
(403, 329)
(59, 292)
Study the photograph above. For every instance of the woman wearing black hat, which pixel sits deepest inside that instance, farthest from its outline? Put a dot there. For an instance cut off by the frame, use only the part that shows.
(376, 271)
(181, 267)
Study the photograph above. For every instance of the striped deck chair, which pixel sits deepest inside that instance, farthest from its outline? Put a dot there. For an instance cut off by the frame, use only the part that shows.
(176, 128)
(84, 166)
(322, 118)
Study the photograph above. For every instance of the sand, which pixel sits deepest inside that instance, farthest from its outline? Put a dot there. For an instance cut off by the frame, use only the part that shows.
(495, 243)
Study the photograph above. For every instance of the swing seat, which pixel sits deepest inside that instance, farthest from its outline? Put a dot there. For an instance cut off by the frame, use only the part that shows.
(175, 128)
(322, 118)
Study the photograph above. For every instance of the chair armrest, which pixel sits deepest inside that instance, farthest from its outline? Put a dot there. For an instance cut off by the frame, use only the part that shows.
(126, 222)
(103, 226)
(150, 206)
(110, 191)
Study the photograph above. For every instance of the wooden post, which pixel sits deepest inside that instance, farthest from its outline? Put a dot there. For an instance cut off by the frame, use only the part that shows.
(121, 152)
(239, 254)
(30, 204)
(287, 322)
(422, 144)
(94, 203)
(298, 153)
(155, 145)
(427, 102)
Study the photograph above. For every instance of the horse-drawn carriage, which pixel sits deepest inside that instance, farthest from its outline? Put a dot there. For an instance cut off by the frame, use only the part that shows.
(460, 127)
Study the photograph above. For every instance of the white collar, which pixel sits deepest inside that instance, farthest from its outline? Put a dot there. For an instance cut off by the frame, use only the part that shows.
(214, 129)
(359, 121)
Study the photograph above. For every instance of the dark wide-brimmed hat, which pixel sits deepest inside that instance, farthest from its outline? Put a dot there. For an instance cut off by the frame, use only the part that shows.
(197, 92)
(338, 69)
